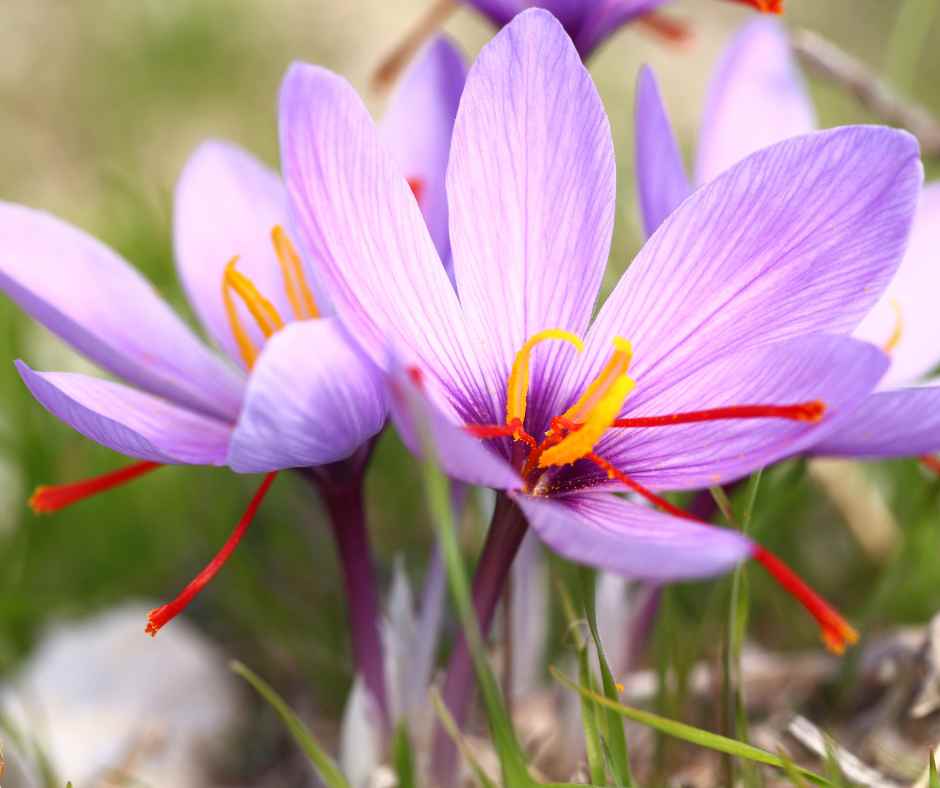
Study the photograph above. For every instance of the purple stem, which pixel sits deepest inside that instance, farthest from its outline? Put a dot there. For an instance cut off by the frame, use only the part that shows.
(503, 538)
(342, 496)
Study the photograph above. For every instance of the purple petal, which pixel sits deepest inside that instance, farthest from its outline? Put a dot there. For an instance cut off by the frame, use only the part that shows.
(499, 12)
(461, 456)
(839, 371)
(357, 217)
(532, 192)
(608, 17)
(226, 204)
(86, 294)
(799, 238)
(908, 310)
(756, 98)
(311, 399)
(896, 423)
(610, 533)
(417, 127)
(129, 421)
(661, 178)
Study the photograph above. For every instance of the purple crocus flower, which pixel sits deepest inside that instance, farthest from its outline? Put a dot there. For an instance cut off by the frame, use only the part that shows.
(757, 98)
(294, 392)
(732, 311)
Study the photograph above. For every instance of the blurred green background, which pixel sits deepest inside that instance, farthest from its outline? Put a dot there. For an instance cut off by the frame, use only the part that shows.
(102, 103)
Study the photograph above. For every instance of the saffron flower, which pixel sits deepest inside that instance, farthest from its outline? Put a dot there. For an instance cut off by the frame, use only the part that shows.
(757, 98)
(718, 352)
(293, 392)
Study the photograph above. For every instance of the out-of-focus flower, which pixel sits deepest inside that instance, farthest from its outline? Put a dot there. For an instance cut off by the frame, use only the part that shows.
(294, 391)
(757, 98)
(733, 309)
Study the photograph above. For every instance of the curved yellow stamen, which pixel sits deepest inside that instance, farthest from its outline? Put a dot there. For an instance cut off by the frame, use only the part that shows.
(517, 389)
(596, 409)
(261, 310)
(295, 284)
(898, 331)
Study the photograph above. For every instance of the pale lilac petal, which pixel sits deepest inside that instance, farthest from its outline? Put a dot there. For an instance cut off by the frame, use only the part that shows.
(129, 421)
(607, 17)
(799, 238)
(531, 186)
(895, 423)
(756, 98)
(661, 178)
(226, 204)
(610, 533)
(839, 371)
(461, 456)
(82, 291)
(909, 305)
(312, 399)
(417, 127)
(357, 217)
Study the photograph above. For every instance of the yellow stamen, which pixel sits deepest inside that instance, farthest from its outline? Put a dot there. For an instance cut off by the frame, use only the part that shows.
(517, 389)
(596, 409)
(895, 337)
(295, 284)
(261, 309)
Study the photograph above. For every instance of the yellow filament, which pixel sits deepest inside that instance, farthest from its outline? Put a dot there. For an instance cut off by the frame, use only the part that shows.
(581, 442)
(596, 409)
(295, 284)
(618, 364)
(517, 389)
(262, 310)
(898, 331)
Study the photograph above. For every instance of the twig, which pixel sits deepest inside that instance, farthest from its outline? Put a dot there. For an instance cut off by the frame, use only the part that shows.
(828, 61)
(394, 63)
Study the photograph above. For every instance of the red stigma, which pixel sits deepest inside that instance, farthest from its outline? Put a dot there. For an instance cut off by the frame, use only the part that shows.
(764, 6)
(52, 498)
(666, 28)
(417, 188)
(416, 376)
(810, 412)
(836, 631)
(162, 615)
(931, 463)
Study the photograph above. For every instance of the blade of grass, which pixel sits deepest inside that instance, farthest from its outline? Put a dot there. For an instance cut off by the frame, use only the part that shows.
(437, 488)
(616, 738)
(325, 766)
(451, 727)
(689, 733)
(933, 781)
(403, 758)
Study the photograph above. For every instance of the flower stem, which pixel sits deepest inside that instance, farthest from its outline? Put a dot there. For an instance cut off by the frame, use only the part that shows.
(503, 538)
(344, 502)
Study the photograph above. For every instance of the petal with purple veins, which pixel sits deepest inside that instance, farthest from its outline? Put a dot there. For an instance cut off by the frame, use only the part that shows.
(756, 98)
(86, 294)
(838, 371)
(660, 172)
(226, 204)
(129, 421)
(895, 423)
(312, 399)
(417, 127)
(531, 187)
(610, 533)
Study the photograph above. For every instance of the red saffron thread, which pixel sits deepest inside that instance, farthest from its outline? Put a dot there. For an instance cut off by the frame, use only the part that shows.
(811, 412)
(52, 498)
(931, 463)
(669, 29)
(162, 615)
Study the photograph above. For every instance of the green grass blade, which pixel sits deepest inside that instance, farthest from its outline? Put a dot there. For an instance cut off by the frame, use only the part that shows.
(933, 781)
(437, 488)
(325, 766)
(616, 738)
(451, 727)
(689, 733)
(403, 758)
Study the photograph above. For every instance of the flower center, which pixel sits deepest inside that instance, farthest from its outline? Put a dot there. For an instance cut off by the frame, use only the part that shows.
(264, 313)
